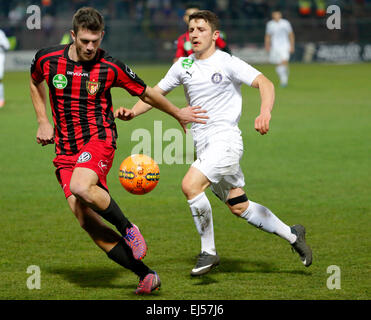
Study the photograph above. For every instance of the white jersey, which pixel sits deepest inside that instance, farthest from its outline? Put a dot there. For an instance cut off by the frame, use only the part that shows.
(4, 43)
(214, 84)
(279, 32)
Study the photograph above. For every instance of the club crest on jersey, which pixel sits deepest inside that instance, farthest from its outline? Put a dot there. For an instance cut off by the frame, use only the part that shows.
(216, 77)
(84, 157)
(92, 87)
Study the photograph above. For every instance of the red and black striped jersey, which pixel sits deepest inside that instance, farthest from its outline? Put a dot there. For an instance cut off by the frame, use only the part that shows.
(80, 95)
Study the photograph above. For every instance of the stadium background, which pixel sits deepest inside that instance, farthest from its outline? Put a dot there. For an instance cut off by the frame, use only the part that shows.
(145, 31)
(312, 168)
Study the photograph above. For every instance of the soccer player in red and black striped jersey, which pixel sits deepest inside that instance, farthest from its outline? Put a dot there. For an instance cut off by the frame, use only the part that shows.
(79, 77)
(184, 45)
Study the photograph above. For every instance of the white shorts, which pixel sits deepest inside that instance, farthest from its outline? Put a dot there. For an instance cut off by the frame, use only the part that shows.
(219, 161)
(278, 55)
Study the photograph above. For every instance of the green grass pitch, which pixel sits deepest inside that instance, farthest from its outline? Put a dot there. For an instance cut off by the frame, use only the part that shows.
(312, 168)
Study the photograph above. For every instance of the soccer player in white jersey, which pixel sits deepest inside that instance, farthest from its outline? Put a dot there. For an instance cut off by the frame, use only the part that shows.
(212, 79)
(4, 46)
(280, 43)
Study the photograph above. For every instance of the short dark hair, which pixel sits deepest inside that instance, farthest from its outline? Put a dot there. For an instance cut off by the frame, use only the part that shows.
(191, 5)
(87, 18)
(210, 17)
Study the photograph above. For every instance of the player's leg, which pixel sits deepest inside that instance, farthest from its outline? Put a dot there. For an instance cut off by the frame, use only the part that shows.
(103, 236)
(280, 57)
(113, 245)
(84, 186)
(263, 218)
(194, 185)
(283, 73)
(257, 215)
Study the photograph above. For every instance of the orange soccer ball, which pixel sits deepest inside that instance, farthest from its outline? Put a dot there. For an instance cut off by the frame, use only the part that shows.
(139, 174)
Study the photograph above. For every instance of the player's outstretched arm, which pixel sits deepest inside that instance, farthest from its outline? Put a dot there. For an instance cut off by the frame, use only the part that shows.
(45, 131)
(139, 108)
(267, 95)
(155, 97)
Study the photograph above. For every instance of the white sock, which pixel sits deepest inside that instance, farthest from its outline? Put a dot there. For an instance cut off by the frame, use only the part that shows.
(263, 218)
(203, 218)
(283, 74)
(1, 91)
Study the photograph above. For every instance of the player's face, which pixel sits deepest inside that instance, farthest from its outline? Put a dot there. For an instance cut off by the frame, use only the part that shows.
(201, 35)
(187, 13)
(276, 15)
(87, 43)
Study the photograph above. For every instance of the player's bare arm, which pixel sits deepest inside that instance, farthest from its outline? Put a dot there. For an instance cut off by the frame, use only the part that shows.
(155, 97)
(292, 42)
(45, 131)
(139, 108)
(267, 42)
(267, 95)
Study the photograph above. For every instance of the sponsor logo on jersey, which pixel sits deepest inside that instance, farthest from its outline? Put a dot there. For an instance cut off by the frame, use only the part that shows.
(60, 81)
(92, 87)
(216, 77)
(130, 72)
(84, 157)
(103, 165)
(78, 74)
(187, 63)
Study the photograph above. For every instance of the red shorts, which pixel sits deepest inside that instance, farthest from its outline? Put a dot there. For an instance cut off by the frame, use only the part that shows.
(96, 155)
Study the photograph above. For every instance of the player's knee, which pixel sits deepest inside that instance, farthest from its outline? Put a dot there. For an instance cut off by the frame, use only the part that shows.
(238, 205)
(189, 189)
(186, 188)
(79, 190)
(238, 210)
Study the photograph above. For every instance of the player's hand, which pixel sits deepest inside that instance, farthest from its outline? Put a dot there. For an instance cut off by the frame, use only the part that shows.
(124, 114)
(262, 123)
(191, 114)
(45, 134)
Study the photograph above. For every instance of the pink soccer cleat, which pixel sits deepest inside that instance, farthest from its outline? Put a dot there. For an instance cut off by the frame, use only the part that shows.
(135, 241)
(148, 284)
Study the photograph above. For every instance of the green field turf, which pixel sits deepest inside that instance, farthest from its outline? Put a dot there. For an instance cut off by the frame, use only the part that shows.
(312, 168)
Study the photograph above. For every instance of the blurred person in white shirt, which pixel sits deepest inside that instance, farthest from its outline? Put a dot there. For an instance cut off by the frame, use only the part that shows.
(280, 43)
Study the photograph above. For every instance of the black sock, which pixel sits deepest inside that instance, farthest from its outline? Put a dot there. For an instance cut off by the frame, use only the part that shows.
(114, 215)
(123, 255)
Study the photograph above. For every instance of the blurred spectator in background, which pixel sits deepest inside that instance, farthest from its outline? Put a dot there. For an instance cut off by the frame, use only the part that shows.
(4, 46)
(184, 46)
(280, 43)
(16, 14)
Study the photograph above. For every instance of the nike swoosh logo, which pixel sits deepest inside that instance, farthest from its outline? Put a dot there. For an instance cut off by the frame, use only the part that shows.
(201, 268)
